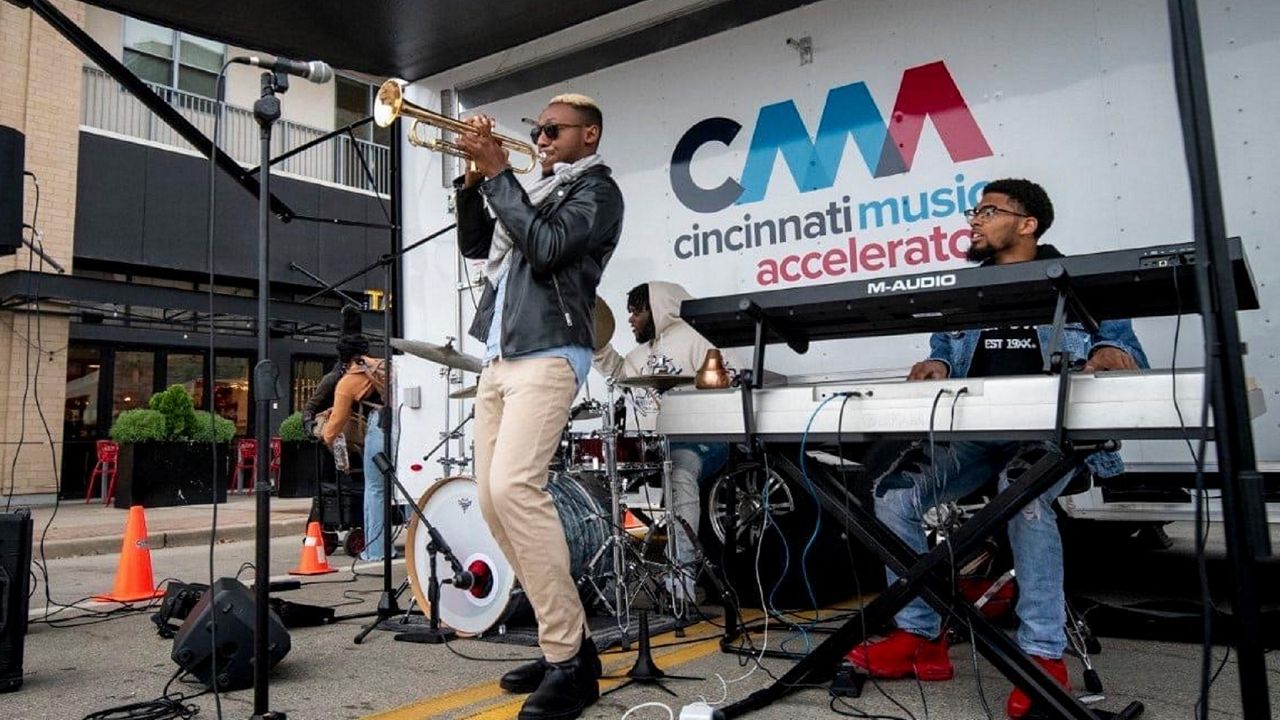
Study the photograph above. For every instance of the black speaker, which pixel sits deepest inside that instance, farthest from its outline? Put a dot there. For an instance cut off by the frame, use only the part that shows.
(15, 581)
(179, 600)
(12, 161)
(232, 605)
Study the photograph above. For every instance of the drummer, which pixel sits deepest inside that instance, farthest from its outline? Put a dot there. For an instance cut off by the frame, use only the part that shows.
(667, 346)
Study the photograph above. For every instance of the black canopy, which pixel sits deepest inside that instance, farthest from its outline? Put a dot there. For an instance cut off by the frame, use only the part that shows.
(410, 39)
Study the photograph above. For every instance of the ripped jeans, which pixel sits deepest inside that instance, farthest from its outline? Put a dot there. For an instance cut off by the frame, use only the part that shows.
(908, 490)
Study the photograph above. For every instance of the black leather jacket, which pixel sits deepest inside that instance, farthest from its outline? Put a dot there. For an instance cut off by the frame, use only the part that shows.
(561, 249)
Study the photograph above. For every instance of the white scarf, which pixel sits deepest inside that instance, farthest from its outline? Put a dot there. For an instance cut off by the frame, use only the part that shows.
(562, 174)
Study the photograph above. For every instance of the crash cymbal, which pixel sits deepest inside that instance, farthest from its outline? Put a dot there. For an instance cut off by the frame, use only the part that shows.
(444, 354)
(657, 382)
(465, 393)
(603, 323)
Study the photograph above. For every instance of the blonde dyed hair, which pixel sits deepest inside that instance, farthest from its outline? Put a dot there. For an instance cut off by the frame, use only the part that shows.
(583, 104)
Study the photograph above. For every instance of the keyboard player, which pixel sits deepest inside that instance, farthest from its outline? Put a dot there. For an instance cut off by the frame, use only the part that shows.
(1007, 226)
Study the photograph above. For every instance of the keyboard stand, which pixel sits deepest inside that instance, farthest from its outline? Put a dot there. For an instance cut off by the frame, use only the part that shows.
(928, 575)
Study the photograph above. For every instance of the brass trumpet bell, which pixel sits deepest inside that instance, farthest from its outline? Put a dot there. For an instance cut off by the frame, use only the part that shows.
(391, 104)
(712, 375)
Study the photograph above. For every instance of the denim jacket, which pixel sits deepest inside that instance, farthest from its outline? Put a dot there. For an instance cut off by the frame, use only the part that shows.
(956, 350)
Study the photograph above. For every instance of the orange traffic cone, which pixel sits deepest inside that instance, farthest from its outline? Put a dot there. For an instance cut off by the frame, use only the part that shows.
(133, 575)
(634, 527)
(313, 560)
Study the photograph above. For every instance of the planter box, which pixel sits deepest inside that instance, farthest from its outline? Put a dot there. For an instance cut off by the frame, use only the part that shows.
(160, 474)
(304, 464)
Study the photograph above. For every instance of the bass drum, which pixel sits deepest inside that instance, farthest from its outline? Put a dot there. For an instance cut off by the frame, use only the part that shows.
(452, 505)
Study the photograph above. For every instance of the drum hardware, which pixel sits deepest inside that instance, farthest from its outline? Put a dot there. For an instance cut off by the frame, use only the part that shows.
(617, 520)
(587, 410)
(645, 671)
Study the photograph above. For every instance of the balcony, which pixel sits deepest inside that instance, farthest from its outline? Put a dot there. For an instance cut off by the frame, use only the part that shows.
(108, 106)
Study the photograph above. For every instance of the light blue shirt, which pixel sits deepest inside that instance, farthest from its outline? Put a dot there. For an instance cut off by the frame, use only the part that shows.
(579, 357)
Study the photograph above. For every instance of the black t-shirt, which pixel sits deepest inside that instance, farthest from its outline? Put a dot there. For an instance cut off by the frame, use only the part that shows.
(1007, 351)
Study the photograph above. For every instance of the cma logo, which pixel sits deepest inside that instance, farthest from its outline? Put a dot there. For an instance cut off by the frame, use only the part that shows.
(927, 91)
(923, 282)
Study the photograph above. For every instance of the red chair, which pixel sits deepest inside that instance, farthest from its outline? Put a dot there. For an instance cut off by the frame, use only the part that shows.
(246, 460)
(108, 457)
(274, 470)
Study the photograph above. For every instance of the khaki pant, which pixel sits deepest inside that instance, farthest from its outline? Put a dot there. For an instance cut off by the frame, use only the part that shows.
(521, 408)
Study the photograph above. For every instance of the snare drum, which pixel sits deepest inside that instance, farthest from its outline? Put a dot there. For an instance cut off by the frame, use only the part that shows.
(452, 505)
(636, 451)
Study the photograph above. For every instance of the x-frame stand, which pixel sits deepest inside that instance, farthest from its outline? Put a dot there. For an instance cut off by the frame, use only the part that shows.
(928, 575)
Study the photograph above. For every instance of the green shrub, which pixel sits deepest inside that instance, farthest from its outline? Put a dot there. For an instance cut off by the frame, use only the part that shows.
(224, 430)
(178, 410)
(139, 426)
(291, 429)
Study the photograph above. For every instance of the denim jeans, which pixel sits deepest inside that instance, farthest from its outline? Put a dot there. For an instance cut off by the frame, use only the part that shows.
(916, 483)
(691, 465)
(375, 490)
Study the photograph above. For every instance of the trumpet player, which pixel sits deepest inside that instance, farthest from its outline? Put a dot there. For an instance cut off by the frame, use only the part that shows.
(544, 250)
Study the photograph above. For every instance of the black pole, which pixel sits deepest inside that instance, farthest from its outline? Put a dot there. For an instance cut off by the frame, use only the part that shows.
(266, 111)
(376, 263)
(387, 606)
(1243, 511)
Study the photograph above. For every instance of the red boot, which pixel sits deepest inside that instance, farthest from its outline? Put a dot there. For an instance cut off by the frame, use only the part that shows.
(1019, 704)
(904, 654)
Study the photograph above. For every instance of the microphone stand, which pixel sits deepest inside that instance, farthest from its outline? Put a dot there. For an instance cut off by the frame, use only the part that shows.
(462, 579)
(398, 624)
(266, 111)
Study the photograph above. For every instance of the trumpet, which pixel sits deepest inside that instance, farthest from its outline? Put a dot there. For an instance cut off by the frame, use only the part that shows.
(391, 104)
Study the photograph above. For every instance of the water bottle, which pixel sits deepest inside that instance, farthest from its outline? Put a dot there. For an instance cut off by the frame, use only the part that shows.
(340, 458)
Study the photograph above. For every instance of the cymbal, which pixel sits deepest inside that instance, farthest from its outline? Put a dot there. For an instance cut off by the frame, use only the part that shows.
(444, 354)
(465, 393)
(603, 323)
(657, 382)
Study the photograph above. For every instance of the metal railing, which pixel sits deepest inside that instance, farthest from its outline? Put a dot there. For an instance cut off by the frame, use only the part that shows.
(108, 106)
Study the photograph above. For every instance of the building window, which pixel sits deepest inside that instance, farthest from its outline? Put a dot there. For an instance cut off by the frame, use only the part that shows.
(133, 381)
(354, 101)
(187, 371)
(80, 421)
(231, 392)
(172, 59)
(307, 373)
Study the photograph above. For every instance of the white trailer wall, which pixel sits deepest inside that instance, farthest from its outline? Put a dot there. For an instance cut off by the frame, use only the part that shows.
(1077, 96)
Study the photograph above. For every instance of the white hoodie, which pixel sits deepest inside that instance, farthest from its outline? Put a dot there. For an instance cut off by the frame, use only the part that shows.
(675, 349)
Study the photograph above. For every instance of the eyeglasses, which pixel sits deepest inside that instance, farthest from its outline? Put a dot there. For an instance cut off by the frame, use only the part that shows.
(987, 212)
(551, 129)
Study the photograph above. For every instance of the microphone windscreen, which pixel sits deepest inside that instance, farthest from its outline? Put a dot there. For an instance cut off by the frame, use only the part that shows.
(320, 72)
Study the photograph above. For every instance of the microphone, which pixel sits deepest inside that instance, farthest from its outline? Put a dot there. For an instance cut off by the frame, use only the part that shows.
(316, 71)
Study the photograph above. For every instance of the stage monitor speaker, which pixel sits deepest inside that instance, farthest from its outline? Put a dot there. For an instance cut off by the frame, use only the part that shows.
(15, 582)
(12, 161)
(232, 605)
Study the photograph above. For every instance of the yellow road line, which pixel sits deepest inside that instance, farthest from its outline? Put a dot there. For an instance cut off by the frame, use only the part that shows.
(442, 704)
(685, 654)
(480, 694)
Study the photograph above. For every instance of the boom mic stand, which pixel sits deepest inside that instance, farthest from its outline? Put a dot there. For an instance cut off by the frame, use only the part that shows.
(388, 605)
(462, 579)
(398, 624)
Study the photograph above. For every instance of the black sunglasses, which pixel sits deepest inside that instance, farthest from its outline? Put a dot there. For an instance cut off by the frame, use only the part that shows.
(551, 129)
